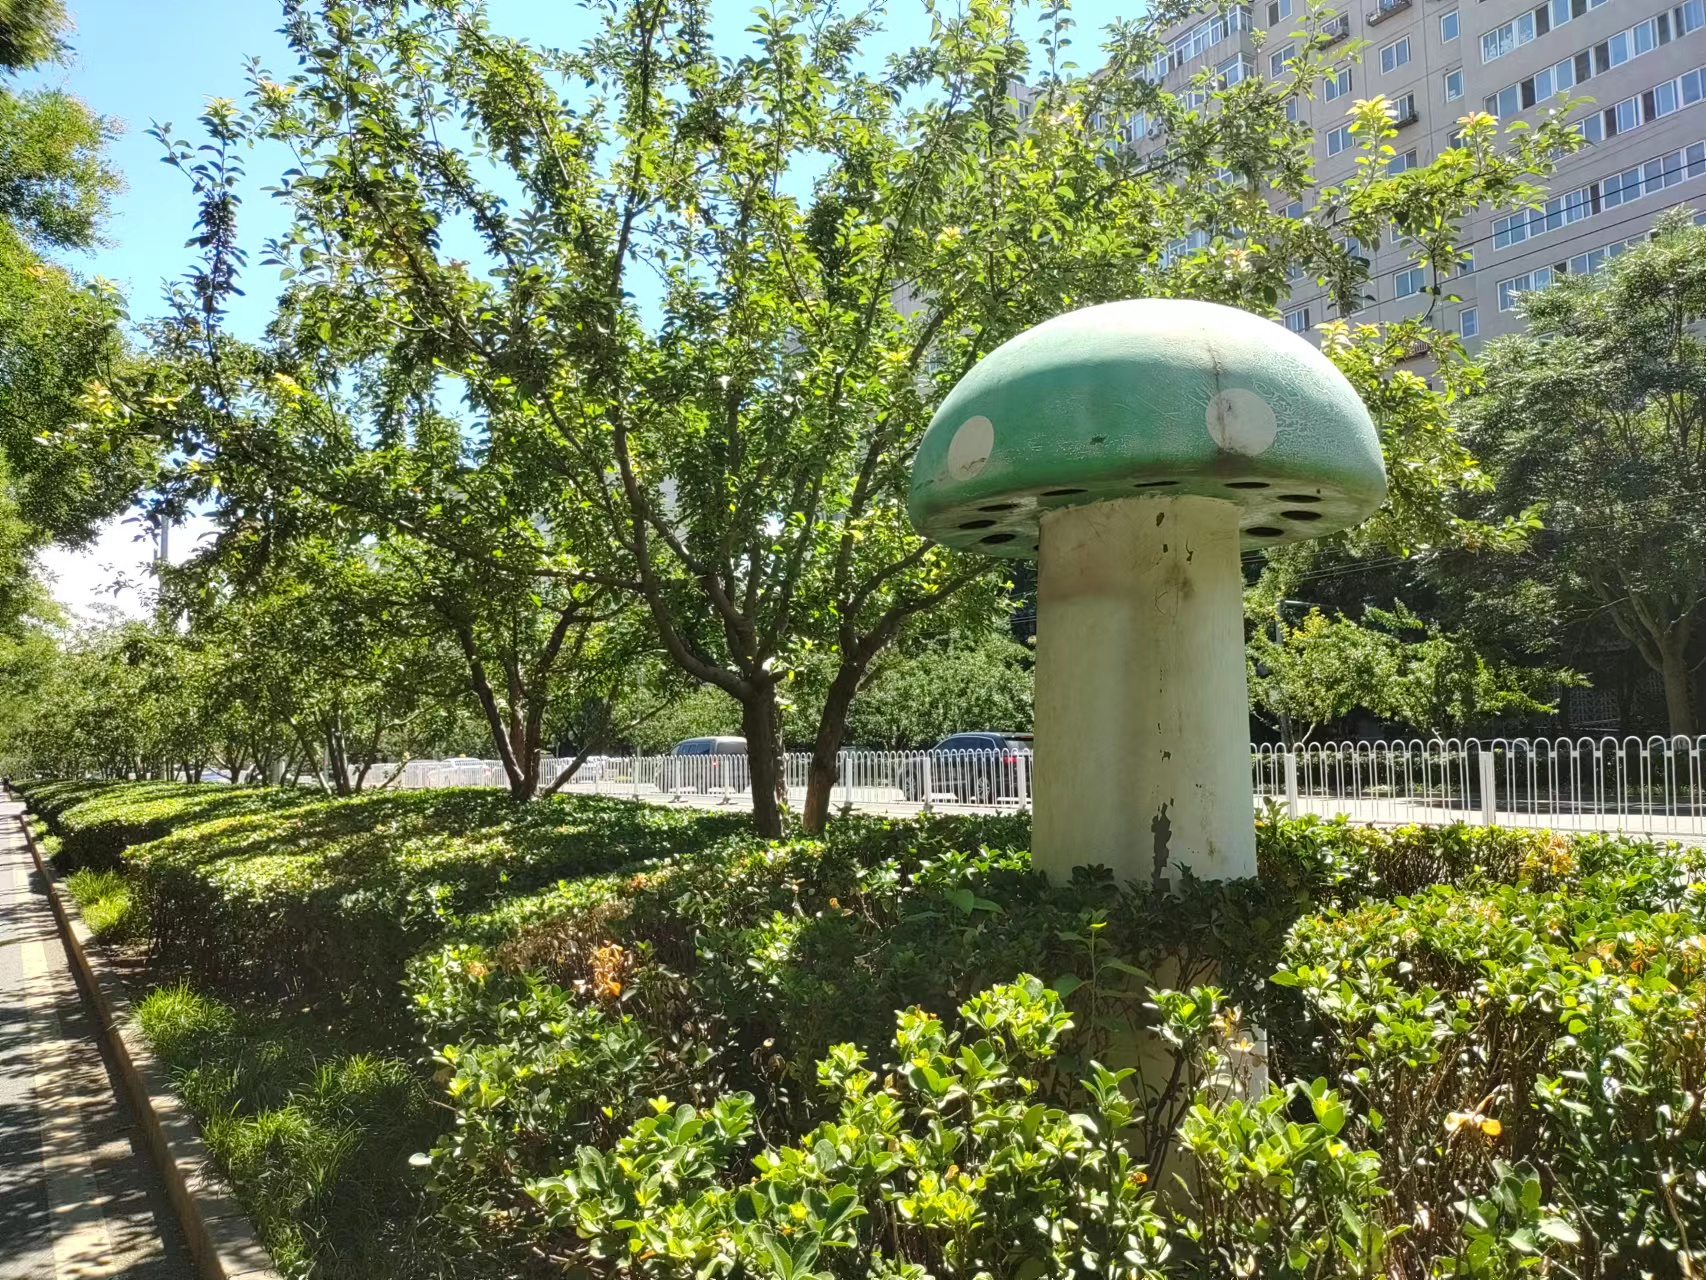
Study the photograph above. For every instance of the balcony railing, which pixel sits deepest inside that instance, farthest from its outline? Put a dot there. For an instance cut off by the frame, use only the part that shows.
(1385, 9)
(1334, 31)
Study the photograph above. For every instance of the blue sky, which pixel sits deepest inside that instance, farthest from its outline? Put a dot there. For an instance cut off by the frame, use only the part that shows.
(146, 61)
(143, 61)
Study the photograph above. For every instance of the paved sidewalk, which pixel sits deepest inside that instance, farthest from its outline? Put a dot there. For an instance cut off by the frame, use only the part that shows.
(78, 1196)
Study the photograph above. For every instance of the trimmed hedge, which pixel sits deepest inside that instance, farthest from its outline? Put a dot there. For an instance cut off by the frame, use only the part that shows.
(1491, 1039)
(97, 821)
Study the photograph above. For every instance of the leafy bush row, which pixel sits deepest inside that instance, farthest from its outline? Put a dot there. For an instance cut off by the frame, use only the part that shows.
(314, 1133)
(1495, 1074)
(1484, 1043)
(97, 821)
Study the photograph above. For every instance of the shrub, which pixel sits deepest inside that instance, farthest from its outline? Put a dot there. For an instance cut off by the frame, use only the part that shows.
(1486, 1045)
(314, 1137)
(332, 898)
(1493, 1042)
(97, 822)
(105, 902)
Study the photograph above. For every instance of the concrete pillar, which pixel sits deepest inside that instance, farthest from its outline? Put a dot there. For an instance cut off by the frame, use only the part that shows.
(1142, 717)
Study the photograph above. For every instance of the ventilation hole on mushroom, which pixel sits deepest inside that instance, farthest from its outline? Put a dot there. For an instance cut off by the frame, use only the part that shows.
(1000, 506)
(1286, 497)
(1060, 493)
(1300, 515)
(978, 524)
(1247, 484)
(1155, 484)
(996, 539)
(1255, 531)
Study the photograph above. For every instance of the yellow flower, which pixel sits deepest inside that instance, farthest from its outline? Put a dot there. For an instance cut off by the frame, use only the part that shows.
(1492, 1128)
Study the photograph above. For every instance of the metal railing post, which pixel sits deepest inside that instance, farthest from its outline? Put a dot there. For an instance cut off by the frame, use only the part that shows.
(926, 785)
(1290, 783)
(1489, 789)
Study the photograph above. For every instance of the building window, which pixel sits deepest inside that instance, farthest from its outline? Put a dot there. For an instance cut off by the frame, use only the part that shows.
(1448, 26)
(1339, 140)
(1511, 290)
(1505, 103)
(1395, 55)
(1298, 321)
(1278, 59)
(1468, 322)
(1409, 282)
(1454, 85)
(1234, 71)
(1336, 86)
(1291, 110)
(1563, 11)
(1403, 110)
(1278, 11)
(1402, 163)
(1514, 34)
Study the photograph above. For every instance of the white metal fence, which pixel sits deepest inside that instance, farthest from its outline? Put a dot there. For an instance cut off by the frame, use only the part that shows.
(1653, 786)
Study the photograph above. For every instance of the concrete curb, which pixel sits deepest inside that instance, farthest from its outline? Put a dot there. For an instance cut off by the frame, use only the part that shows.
(221, 1242)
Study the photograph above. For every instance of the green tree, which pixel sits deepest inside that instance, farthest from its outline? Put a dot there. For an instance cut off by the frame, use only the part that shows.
(60, 343)
(1394, 666)
(917, 698)
(461, 541)
(1598, 414)
(714, 300)
(308, 660)
(30, 32)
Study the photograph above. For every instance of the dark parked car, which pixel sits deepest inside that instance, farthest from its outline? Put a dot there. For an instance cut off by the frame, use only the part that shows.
(706, 764)
(977, 768)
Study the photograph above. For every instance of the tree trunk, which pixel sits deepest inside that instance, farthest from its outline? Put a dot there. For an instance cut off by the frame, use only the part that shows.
(526, 785)
(824, 771)
(1680, 708)
(763, 728)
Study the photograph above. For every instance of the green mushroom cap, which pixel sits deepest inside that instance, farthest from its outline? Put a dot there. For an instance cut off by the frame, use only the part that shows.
(1152, 397)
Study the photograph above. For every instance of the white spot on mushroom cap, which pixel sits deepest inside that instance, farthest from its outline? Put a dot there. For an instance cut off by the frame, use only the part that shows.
(1241, 421)
(969, 450)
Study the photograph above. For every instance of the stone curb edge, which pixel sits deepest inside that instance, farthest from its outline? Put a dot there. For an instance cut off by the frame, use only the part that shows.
(221, 1242)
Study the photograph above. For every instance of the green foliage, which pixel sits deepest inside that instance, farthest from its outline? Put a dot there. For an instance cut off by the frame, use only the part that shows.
(714, 298)
(705, 710)
(97, 821)
(952, 1169)
(314, 1137)
(29, 32)
(310, 899)
(1492, 1037)
(54, 180)
(917, 699)
(1425, 1007)
(1395, 667)
(1593, 415)
(104, 900)
(60, 340)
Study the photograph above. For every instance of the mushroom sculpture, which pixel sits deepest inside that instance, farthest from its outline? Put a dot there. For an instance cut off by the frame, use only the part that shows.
(1133, 449)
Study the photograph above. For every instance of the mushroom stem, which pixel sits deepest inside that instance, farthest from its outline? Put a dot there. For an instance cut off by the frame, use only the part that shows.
(1142, 717)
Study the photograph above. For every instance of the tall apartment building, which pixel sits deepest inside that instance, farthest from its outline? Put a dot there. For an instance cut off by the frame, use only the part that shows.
(1643, 62)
